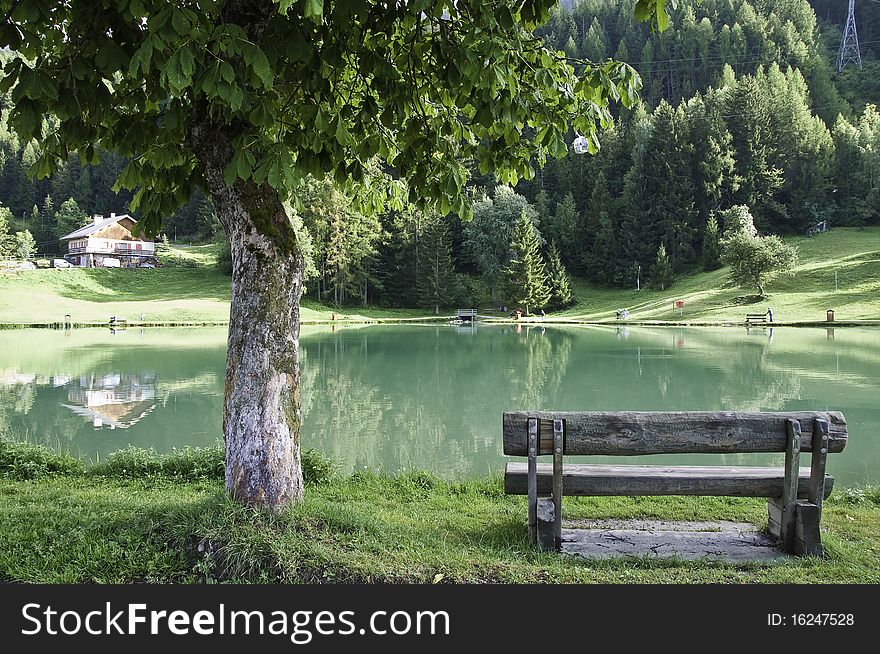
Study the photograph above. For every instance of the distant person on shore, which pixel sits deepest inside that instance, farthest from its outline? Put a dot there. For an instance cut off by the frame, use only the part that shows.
(769, 314)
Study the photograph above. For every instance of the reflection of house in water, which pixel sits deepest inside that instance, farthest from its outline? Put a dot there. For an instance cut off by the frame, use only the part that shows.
(113, 399)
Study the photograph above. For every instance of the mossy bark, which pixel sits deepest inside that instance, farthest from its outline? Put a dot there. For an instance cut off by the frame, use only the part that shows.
(261, 416)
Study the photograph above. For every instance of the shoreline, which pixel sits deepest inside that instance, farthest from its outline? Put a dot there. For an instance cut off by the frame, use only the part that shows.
(434, 320)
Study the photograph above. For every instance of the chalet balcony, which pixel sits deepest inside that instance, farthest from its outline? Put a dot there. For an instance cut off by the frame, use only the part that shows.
(146, 252)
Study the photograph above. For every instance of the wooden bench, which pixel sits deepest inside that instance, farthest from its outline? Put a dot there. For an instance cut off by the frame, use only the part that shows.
(756, 317)
(794, 494)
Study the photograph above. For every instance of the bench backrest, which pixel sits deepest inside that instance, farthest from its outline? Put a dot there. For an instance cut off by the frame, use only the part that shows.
(630, 433)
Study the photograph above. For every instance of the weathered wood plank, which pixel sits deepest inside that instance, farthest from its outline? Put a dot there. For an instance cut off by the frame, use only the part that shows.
(533, 480)
(790, 485)
(558, 436)
(546, 516)
(807, 539)
(596, 480)
(817, 463)
(677, 432)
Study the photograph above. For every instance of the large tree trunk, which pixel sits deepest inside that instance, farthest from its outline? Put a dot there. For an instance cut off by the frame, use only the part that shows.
(261, 416)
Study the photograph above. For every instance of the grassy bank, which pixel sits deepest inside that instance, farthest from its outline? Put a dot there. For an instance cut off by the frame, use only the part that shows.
(838, 270)
(142, 518)
(853, 255)
(192, 291)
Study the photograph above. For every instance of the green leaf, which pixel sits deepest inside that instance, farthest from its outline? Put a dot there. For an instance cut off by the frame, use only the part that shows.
(179, 22)
(662, 16)
(343, 136)
(26, 118)
(276, 173)
(505, 18)
(141, 59)
(179, 69)
(256, 59)
(314, 9)
(136, 8)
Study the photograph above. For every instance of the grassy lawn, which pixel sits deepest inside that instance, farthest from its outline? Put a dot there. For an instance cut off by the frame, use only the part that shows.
(192, 291)
(142, 518)
(197, 292)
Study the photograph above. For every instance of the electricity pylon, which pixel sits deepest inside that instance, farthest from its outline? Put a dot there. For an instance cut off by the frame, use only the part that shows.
(849, 46)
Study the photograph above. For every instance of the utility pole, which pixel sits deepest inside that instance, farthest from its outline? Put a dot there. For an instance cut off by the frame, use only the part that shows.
(849, 46)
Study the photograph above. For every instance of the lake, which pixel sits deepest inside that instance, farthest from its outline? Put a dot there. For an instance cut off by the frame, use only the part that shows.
(401, 397)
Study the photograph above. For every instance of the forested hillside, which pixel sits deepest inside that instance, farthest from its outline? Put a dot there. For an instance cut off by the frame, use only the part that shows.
(742, 105)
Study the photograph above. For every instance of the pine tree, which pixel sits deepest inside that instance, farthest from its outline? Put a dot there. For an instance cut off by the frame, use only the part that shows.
(749, 126)
(595, 256)
(713, 161)
(662, 274)
(711, 244)
(45, 231)
(558, 282)
(605, 259)
(562, 227)
(658, 198)
(436, 282)
(526, 276)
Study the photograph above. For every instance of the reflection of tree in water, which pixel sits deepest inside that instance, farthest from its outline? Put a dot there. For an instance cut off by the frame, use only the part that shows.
(18, 398)
(769, 388)
(543, 363)
(430, 398)
(17, 395)
(340, 402)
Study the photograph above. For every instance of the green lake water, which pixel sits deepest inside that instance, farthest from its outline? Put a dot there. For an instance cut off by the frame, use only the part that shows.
(431, 397)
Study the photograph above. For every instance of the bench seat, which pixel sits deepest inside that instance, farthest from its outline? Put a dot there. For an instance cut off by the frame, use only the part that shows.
(596, 480)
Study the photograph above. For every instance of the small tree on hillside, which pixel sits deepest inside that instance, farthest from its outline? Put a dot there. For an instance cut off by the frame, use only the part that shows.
(711, 244)
(24, 245)
(526, 276)
(561, 296)
(755, 260)
(662, 274)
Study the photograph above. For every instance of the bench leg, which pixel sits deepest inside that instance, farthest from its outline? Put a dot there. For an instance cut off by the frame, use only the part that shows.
(533, 480)
(790, 485)
(546, 518)
(558, 435)
(807, 540)
(774, 516)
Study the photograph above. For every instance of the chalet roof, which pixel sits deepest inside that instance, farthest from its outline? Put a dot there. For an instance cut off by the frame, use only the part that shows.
(94, 227)
(120, 416)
